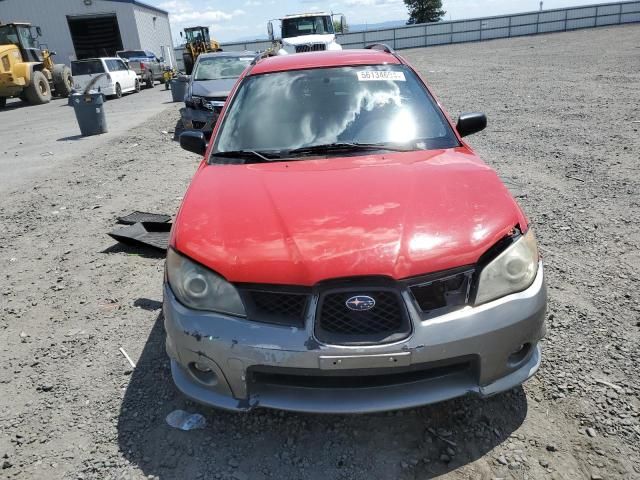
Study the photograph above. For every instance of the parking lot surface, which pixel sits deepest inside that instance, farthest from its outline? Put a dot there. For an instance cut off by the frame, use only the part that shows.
(563, 134)
(36, 139)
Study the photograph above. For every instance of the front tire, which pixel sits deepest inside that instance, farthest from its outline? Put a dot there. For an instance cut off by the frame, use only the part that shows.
(149, 82)
(3, 102)
(62, 80)
(188, 63)
(137, 87)
(118, 91)
(38, 92)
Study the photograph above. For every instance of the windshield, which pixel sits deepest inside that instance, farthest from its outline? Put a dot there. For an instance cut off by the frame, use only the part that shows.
(295, 27)
(218, 68)
(132, 54)
(197, 35)
(25, 37)
(8, 34)
(20, 36)
(87, 67)
(381, 105)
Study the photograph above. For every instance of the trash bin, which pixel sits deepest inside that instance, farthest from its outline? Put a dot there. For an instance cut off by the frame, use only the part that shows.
(89, 110)
(179, 88)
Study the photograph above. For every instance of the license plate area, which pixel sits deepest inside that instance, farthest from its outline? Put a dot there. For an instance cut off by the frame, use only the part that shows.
(352, 362)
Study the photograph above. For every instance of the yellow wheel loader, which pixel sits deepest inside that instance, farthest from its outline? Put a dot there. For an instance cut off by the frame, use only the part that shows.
(26, 70)
(198, 41)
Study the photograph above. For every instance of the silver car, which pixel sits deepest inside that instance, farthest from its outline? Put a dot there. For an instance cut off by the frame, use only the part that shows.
(213, 77)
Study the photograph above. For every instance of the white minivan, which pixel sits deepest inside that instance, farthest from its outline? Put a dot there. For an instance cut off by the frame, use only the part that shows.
(115, 77)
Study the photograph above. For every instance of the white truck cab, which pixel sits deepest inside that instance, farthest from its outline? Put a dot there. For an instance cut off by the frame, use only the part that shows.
(307, 32)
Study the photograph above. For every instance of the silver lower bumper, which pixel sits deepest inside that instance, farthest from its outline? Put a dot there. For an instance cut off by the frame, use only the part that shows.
(482, 339)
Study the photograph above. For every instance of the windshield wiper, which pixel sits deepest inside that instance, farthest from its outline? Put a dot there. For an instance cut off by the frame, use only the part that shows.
(285, 155)
(345, 147)
(260, 156)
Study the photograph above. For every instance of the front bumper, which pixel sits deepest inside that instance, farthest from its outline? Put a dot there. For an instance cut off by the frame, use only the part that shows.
(470, 351)
(198, 120)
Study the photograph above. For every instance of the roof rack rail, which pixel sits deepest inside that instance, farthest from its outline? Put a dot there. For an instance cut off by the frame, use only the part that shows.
(383, 47)
(261, 55)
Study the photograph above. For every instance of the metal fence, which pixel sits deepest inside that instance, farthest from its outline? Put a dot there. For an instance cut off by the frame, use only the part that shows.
(477, 29)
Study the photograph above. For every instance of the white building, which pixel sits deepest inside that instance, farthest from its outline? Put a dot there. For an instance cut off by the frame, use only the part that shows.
(92, 28)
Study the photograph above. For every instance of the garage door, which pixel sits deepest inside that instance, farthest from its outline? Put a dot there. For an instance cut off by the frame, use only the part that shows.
(95, 36)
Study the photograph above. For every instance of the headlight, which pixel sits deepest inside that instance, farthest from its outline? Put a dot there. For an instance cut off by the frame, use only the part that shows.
(199, 288)
(512, 271)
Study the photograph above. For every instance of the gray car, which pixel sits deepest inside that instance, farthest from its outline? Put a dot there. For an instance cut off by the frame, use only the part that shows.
(213, 77)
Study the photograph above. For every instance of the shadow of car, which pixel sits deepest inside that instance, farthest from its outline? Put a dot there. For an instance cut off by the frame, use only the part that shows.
(420, 443)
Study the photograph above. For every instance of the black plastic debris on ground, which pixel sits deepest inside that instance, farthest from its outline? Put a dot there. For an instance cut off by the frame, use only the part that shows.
(142, 217)
(144, 234)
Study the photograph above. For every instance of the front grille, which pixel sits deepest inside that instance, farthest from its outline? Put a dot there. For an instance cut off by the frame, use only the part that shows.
(385, 322)
(285, 308)
(361, 378)
(311, 47)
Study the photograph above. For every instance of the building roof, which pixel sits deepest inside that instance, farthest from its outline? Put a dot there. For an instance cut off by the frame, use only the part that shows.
(142, 4)
(338, 58)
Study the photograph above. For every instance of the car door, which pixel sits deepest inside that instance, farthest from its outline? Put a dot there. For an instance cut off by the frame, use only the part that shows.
(155, 65)
(108, 82)
(128, 77)
(112, 68)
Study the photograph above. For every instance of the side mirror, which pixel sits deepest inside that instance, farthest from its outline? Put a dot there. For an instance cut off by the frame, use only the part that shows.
(343, 24)
(160, 60)
(270, 30)
(180, 34)
(39, 31)
(193, 142)
(469, 123)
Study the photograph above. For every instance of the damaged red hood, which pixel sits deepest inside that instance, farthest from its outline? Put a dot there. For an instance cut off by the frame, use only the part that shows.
(297, 223)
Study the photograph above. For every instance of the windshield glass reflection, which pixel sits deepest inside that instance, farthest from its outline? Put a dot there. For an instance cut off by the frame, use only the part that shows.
(290, 110)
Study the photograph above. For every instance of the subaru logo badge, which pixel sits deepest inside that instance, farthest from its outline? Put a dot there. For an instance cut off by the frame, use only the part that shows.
(360, 303)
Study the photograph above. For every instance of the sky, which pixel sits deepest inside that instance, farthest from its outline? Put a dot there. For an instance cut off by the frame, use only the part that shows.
(231, 20)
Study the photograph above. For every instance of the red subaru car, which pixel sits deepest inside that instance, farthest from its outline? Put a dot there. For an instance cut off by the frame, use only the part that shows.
(342, 249)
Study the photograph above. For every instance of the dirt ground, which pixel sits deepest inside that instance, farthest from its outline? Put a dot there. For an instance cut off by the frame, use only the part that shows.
(564, 117)
(22, 160)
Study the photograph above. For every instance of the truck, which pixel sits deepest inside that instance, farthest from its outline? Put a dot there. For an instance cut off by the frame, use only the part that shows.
(197, 41)
(145, 64)
(306, 32)
(27, 69)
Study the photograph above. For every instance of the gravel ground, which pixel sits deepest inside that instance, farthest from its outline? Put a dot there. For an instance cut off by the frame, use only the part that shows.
(563, 133)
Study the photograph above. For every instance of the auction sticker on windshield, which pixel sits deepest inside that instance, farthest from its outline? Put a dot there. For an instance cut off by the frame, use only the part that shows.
(373, 75)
